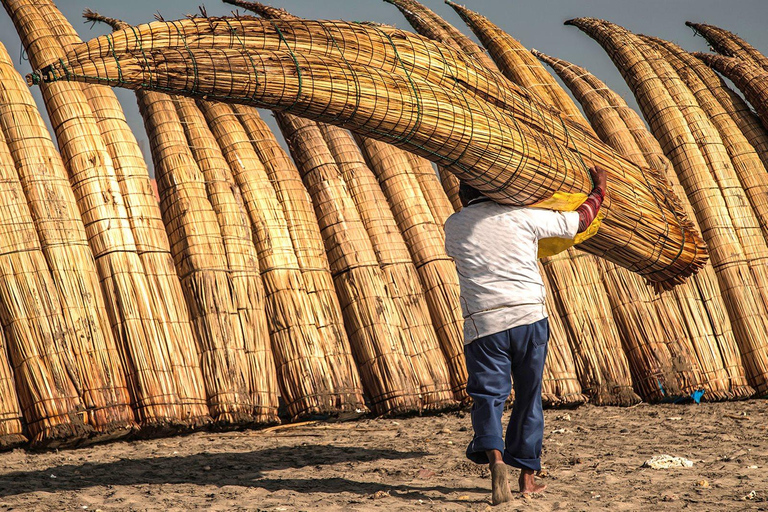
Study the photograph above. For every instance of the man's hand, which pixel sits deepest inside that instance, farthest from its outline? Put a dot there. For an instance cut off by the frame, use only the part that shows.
(598, 177)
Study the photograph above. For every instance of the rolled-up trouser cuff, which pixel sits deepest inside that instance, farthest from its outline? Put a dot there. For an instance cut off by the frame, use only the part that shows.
(533, 464)
(479, 445)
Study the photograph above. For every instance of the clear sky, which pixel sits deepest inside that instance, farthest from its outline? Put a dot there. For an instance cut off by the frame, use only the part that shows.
(536, 23)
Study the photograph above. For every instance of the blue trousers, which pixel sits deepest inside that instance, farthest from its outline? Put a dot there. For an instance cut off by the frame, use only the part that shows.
(493, 361)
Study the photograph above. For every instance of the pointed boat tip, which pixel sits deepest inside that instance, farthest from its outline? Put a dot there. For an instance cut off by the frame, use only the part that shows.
(689, 24)
(570, 22)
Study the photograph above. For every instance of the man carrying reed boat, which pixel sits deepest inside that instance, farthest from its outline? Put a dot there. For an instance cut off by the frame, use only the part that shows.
(506, 328)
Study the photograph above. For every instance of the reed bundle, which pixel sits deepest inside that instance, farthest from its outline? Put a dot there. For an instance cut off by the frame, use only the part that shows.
(215, 257)
(450, 184)
(99, 371)
(315, 368)
(727, 43)
(166, 383)
(560, 385)
(370, 315)
(518, 64)
(703, 167)
(699, 299)
(143, 215)
(414, 124)
(747, 164)
(577, 288)
(427, 23)
(749, 78)
(11, 428)
(401, 276)
(438, 201)
(218, 263)
(37, 342)
(426, 243)
(402, 281)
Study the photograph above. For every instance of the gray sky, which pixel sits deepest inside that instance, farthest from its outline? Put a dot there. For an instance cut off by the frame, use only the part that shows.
(536, 23)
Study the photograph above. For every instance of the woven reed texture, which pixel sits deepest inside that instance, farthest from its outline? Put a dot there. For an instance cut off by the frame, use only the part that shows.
(747, 164)
(427, 23)
(432, 188)
(249, 322)
(450, 185)
(12, 433)
(577, 289)
(370, 315)
(667, 263)
(99, 370)
(315, 368)
(518, 64)
(720, 205)
(215, 258)
(560, 386)
(402, 280)
(166, 383)
(143, 215)
(426, 242)
(749, 78)
(403, 284)
(699, 299)
(730, 44)
(35, 334)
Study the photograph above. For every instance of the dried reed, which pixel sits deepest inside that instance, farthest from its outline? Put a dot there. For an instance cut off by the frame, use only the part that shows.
(669, 264)
(99, 370)
(312, 353)
(704, 167)
(166, 384)
(699, 299)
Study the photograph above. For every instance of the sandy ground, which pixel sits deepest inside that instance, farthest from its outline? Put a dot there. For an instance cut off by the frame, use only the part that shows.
(592, 458)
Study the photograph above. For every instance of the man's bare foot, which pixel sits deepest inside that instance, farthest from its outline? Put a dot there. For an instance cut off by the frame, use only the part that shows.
(527, 483)
(500, 481)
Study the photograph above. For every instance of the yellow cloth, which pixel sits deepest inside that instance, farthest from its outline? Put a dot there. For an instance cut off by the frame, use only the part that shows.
(565, 202)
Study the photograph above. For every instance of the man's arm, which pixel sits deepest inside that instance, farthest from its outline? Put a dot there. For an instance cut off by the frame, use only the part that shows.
(589, 208)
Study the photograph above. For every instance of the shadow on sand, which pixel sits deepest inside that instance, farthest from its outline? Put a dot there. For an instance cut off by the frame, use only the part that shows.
(245, 469)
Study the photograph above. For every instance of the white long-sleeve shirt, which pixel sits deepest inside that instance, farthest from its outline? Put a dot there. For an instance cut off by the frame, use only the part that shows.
(495, 249)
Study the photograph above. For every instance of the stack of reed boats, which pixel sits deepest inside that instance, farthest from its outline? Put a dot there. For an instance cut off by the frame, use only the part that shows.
(266, 286)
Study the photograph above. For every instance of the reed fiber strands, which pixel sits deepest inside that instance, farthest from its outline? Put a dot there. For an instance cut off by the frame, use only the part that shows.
(721, 208)
(588, 322)
(37, 340)
(450, 185)
(699, 299)
(370, 315)
(315, 368)
(249, 322)
(217, 264)
(427, 23)
(143, 214)
(99, 370)
(518, 64)
(202, 247)
(727, 43)
(158, 374)
(749, 78)
(560, 385)
(402, 280)
(666, 263)
(426, 243)
(11, 429)
(746, 162)
(738, 109)
(651, 330)
(304, 234)
(438, 201)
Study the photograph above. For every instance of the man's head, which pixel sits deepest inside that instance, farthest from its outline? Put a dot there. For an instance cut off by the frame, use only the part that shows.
(467, 193)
